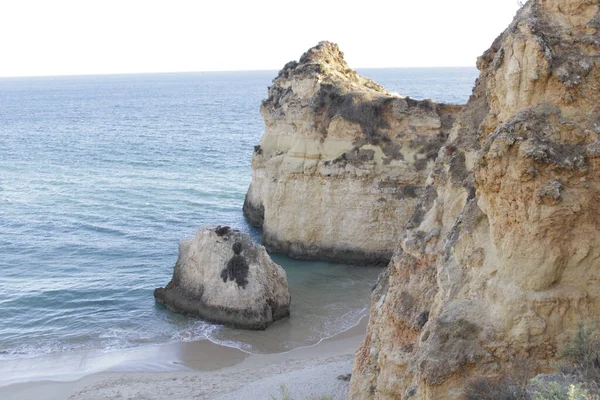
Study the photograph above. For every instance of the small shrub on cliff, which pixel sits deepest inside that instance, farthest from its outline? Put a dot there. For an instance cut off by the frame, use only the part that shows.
(285, 395)
(583, 353)
(511, 386)
(580, 373)
(504, 388)
(555, 391)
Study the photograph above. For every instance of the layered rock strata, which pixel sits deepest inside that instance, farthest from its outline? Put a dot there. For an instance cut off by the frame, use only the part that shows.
(222, 276)
(342, 161)
(501, 259)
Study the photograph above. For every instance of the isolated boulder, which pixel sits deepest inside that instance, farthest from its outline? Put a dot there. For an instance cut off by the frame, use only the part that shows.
(222, 276)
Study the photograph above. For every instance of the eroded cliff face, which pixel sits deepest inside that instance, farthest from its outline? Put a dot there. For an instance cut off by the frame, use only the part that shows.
(501, 259)
(342, 161)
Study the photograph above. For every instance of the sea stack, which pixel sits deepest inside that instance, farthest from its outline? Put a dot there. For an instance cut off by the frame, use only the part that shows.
(342, 161)
(222, 276)
(502, 260)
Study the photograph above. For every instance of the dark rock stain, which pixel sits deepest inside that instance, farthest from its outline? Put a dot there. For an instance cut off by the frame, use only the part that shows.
(237, 268)
(222, 230)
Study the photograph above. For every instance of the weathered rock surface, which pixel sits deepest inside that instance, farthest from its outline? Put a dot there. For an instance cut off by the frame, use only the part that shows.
(501, 259)
(222, 276)
(342, 161)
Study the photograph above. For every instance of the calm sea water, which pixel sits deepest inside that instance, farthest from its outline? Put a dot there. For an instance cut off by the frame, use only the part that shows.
(102, 176)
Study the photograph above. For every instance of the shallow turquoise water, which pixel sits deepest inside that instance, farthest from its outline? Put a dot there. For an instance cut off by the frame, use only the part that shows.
(102, 176)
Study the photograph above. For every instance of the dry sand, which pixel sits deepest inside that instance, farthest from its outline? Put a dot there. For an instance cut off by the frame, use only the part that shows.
(199, 370)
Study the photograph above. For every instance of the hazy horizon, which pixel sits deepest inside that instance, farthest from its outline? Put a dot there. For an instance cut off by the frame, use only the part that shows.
(274, 70)
(69, 38)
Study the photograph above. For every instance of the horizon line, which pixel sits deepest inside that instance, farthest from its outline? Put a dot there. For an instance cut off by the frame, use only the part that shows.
(67, 75)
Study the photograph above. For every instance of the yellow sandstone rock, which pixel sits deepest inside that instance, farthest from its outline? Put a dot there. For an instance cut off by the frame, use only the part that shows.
(501, 258)
(342, 161)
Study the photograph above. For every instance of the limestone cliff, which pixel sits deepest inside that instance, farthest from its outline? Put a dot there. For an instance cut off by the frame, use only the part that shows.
(501, 259)
(342, 161)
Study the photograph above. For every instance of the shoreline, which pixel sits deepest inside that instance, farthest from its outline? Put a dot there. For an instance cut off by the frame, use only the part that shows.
(199, 369)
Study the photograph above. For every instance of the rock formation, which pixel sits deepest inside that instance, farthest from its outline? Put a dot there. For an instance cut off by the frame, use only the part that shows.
(223, 277)
(342, 161)
(501, 258)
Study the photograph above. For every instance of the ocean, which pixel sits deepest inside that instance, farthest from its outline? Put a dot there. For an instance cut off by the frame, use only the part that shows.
(102, 176)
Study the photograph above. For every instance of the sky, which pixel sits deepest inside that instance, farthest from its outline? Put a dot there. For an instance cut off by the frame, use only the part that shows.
(64, 37)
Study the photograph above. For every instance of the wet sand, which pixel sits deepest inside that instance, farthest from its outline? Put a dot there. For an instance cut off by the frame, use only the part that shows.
(199, 370)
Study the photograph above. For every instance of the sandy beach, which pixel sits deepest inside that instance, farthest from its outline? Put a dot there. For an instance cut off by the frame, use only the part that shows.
(196, 370)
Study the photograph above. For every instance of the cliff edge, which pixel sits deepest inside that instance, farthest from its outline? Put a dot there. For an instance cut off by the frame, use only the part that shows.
(501, 259)
(341, 162)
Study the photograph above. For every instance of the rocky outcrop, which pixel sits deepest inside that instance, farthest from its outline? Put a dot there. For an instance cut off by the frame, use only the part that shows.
(223, 277)
(501, 259)
(342, 161)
